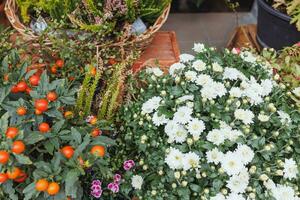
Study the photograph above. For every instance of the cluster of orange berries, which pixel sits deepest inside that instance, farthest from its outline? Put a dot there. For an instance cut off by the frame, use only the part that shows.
(51, 188)
(18, 146)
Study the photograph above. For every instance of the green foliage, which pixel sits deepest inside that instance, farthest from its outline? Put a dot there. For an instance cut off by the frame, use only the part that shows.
(291, 7)
(98, 16)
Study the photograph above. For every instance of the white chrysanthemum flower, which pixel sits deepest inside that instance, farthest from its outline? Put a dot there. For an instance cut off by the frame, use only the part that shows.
(216, 137)
(248, 56)
(213, 90)
(267, 86)
(263, 118)
(232, 163)
(137, 182)
(284, 117)
(199, 65)
(203, 79)
(283, 192)
(186, 58)
(151, 105)
(190, 161)
(269, 184)
(234, 196)
(236, 92)
(199, 47)
(175, 132)
(196, 127)
(238, 183)
(231, 134)
(183, 115)
(219, 196)
(214, 156)
(245, 153)
(244, 115)
(190, 75)
(155, 70)
(174, 159)
(180, 135)
(186, 98)
(290, 169)
(159, 120)
(233, 74)
(296, 91)
(176, 68)
(220, 89)
(216, 67)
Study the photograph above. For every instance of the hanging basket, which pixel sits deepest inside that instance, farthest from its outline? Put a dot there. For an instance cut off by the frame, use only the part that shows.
(141, 41)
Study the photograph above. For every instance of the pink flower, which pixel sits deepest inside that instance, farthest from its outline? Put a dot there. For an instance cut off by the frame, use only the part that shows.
(96, 187)
(236, 50)
(117, 178)
(96, 182)
(128, 164)
(114, 187)
(298, 44)
(97, 193)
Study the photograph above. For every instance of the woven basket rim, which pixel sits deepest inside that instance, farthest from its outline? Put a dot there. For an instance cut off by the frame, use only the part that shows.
(28, 34)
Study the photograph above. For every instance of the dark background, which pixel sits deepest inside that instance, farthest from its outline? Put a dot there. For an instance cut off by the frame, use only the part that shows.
(186, 6)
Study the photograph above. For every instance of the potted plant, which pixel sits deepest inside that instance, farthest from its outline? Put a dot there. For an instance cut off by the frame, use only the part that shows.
(278, 23)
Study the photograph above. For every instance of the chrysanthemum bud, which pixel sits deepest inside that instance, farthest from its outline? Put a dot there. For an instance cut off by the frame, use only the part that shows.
(177, 175)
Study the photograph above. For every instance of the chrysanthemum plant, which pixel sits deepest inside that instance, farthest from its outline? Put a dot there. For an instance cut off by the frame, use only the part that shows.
(216, 127)
(45, 150)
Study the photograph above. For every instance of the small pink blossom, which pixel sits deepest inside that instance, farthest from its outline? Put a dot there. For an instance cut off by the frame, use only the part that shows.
(236, 50)
(298, 44)
(96, 193)
(114, 187)
(128, 164)
(96, 187)
(96, 182)
(117, 178)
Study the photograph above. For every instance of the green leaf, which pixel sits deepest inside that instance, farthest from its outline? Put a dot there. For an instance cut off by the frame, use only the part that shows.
(54, 113)
(22, 159)
(4, 122)
(33, 137)
(103, 140)
(8, 189)
(67, 100)
(82, 146)
(195, 188)
(71, 177)
(57, 126)
(29, 191)
(49, 147)
(56, 161)
(76, 135)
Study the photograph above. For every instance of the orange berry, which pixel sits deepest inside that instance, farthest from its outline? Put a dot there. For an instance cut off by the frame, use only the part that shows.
(41, 185)
(98, 151)
(4, 157)
(53, 188)
(18, 147)
(13, 173)
(21, 111)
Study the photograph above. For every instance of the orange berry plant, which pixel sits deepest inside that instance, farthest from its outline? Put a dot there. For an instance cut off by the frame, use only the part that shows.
(45, 148)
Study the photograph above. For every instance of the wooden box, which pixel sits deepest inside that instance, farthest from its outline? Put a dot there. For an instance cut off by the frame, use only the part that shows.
(244, 36)
(163, 50)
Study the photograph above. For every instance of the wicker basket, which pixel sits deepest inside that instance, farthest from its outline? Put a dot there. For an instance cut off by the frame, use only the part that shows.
(140, 41)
